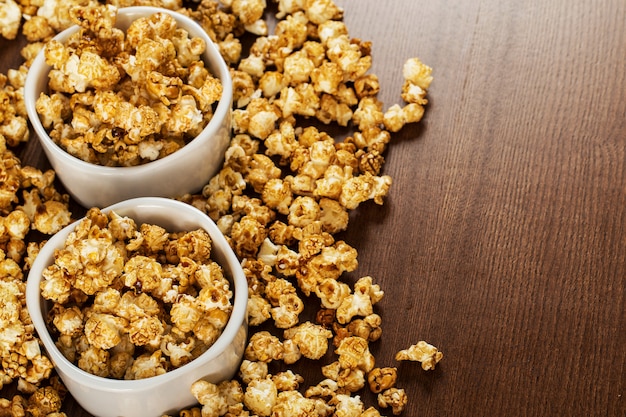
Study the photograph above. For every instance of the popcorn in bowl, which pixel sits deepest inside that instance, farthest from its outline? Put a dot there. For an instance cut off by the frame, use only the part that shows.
(136, 100)
(135, 303)
(124, 98)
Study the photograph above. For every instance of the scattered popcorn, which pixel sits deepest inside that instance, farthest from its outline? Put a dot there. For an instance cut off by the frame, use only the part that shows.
(10, 19)
(422, 352)
(285, 190)
(261, 396)
(380, 379)
(395, 398)
(311, 339)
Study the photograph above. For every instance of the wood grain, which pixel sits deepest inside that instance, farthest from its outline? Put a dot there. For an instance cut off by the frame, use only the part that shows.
(502, 241)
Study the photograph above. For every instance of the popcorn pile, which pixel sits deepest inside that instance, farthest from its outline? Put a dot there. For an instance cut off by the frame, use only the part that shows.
(284, 193)
(132, 302)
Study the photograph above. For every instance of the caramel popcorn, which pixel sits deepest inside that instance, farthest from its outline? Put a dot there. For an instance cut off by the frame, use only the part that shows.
(285, 190)
(422, 352)
(395, 398)
(251, 370)
(380, 379)
(360, 302)
(354, 353)
(311, 339)
(10, 19)
(117, 262)
(216, 400)
(129, 98)
(261, 396)
(263, 347)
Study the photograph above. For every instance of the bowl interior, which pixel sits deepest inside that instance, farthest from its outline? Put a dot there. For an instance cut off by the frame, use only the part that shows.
(174, 216)
(185, 171)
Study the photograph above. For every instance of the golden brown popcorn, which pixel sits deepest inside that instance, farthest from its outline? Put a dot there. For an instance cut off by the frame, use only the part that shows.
(396, 117)
(422, 352)
(263, 347)
(380, 379)
(247, 234)
(146, 366)
(354, 353)
(366, 85)
(10, 19)
(395, 398)
(297, 68)
(348, 55)
(362, 188)
(262, 122)
(37, 29)
(291, 352)
(326, 389)
(151, 92)
(303, 211)
(351, 380)
(287, 380)
(290, 34)
(173, 311)
(48, 216)
(45, 401)
(299, 100)
(251, 370)
(369, 113)
(368, 328)
(68, 321)
(311, 339)
(94, 360)
(370, 412)
(254, 65)
(258, 310)
(243, 92)
(346, 405)
(416, 72)
(14, 407)
(360, 302)
(332, 110)
(208, 394)
(277, 195)
(293, 403)
(271, 82)
(332, 293)
(413, 93)
(331, 262)
(260, 396)
(319, 11)
(248, 11)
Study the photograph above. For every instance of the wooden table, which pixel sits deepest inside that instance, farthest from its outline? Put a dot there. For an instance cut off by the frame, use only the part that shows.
(503, 239)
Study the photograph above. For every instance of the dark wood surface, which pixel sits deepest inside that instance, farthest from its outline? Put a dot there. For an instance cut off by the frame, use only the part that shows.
(503, 239)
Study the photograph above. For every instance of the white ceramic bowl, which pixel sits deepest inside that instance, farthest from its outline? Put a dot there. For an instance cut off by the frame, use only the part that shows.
(185, 171)
(170, 392)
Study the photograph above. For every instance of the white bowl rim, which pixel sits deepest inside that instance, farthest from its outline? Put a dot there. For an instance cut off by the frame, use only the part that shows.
(229, 333)
(221, 112)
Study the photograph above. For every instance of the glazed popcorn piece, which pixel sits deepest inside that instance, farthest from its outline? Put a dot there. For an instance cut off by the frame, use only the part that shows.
(395, 398)
(422, 352)
(380, 379)
(22, 358)
(13, 117)
(311, 339)
(417, 79)
(10, 19)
